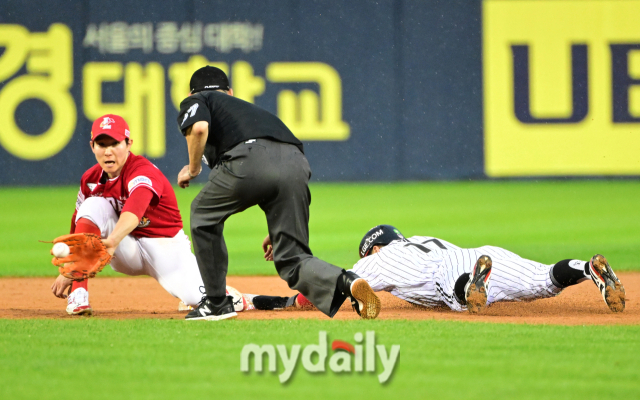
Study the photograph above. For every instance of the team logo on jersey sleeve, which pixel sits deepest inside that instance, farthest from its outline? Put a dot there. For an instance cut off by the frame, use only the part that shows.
(139, 181)
(144, 222)
(92, 186)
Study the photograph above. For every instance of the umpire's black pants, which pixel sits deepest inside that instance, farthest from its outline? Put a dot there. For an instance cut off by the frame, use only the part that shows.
(274, 176)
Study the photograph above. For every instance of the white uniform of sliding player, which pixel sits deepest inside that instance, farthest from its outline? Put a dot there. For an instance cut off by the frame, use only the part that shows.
(424, 271)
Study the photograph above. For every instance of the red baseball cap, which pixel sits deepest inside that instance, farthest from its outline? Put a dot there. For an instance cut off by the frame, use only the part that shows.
(111, 125)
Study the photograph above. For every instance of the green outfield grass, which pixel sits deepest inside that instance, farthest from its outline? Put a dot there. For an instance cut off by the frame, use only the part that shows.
(545, 221)
(163, 359)
(91, 358)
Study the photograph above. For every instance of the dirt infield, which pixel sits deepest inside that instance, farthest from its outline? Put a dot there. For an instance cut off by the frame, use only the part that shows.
(123, 298)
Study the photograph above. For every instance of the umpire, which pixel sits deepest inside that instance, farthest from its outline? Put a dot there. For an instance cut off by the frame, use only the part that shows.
(255, 160)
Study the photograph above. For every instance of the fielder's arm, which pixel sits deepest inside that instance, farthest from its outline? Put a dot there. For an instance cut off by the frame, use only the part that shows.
(127, 223)
(132, 212)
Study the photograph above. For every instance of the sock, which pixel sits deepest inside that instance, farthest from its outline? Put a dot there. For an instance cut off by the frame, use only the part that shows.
(569, 272)
(458, 288)
(586, 270)
(80, 284)
(217, 300)
(86, 226)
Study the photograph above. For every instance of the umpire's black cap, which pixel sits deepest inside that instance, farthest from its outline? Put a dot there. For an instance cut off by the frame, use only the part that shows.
(208, 78)
(381, 234)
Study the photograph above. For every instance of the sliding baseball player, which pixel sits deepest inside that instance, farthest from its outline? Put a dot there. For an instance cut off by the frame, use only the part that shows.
(432, 272)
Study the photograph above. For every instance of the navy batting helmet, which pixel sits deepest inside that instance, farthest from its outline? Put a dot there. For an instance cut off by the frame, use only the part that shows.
(381, 234)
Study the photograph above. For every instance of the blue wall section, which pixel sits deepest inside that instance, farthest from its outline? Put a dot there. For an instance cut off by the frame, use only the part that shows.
(411, 75)
(441, 106)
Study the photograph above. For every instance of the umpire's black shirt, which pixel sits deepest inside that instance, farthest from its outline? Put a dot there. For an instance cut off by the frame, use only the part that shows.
(231, 121)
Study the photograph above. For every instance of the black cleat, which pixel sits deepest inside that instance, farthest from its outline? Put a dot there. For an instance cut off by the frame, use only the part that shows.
(475, 292)
(208, 311)
(607, 282)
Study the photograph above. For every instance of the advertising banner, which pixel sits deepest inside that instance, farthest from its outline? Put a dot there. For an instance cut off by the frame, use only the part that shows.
(561, 88)
(380, 91)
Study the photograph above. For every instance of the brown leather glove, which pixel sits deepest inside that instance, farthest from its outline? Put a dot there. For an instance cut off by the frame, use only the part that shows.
(87, 256)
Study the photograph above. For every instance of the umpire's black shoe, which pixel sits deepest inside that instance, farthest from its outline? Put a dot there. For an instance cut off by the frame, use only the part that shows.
(210, 311)
(363, 299)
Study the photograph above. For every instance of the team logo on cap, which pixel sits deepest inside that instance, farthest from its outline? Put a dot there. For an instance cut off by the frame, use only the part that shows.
(106, 123)
(370, 240)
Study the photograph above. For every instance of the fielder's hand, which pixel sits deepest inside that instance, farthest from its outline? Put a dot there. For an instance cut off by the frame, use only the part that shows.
(60, 285)
(109, 245)
(267, 248)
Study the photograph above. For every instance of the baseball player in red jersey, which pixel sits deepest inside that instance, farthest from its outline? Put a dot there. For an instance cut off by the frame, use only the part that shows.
(127, 201)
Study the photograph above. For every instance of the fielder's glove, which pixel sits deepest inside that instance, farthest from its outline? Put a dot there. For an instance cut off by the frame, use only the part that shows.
(87, 256)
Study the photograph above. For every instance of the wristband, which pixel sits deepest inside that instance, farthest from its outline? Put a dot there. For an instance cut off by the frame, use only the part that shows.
(193, 176)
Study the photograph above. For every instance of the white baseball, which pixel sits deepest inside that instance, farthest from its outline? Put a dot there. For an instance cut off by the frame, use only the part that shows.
(60, 250)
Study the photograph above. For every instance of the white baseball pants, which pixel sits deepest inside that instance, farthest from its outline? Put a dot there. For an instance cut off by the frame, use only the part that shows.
(168, 260)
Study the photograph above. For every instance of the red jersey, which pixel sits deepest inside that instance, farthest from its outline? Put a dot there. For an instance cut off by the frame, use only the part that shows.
(162, 216)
